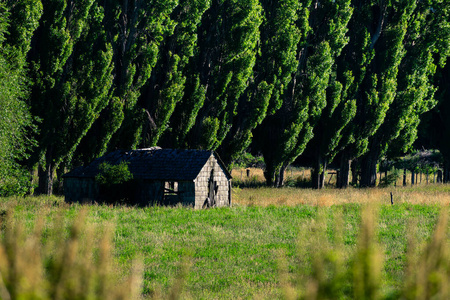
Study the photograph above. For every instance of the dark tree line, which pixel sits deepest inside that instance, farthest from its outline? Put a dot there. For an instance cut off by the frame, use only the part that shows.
(337, 79)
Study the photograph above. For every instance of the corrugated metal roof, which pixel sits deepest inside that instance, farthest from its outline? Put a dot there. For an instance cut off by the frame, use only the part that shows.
(153, 164)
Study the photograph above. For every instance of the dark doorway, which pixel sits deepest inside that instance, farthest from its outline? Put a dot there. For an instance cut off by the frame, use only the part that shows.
(212, 189)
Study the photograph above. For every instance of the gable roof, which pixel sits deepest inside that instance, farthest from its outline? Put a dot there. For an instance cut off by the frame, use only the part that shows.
(154, 164)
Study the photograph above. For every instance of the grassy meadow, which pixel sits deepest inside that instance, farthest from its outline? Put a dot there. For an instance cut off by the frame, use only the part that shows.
(273, 243)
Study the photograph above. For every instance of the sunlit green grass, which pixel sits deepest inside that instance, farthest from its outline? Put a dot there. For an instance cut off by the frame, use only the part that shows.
(235, 252)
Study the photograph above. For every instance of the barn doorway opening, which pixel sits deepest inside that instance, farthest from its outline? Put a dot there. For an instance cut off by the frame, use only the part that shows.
(212, 191)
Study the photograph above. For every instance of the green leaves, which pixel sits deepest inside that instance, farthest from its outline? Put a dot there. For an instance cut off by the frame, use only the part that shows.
(16, 122)
(281, 77)
(291, 127)
(113, 174)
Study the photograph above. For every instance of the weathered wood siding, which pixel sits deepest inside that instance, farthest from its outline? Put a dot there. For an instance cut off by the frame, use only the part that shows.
(202, 184)
(149, 192)
(82, 190)
(187, 195)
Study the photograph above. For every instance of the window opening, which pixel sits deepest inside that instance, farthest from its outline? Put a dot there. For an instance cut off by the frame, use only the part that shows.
(171, 187)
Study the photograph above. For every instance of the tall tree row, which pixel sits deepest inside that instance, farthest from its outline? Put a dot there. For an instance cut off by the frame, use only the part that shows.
(335, 78)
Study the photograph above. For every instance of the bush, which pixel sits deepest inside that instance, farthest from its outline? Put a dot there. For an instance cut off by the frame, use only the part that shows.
(116, 183)
(391, 178)
(247, 160)
(113, 174)
(15, 182)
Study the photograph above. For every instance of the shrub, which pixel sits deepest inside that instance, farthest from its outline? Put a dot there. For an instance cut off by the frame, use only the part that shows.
(113, 174)
(246, 160)
(116, 183)
(391, 179)
(16, 182)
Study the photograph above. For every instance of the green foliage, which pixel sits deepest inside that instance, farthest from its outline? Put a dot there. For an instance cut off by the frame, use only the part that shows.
(72, 68)
(136, 31)
(110, 175)
(247, 160)
(408, 78)
(271, 74)
(279, 77)
(391, 179)
(169, 81)
(291, 127)
(228, 39)
(16, 122)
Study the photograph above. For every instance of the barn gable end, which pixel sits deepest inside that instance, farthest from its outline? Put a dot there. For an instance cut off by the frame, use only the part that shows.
(214, 171)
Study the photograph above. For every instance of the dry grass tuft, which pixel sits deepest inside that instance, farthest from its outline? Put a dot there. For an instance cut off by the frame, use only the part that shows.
(368, 260)
(326, 271)
(429, 276)
(64, 268)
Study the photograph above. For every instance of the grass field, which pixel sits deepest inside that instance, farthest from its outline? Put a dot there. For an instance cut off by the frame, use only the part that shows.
(272, 243)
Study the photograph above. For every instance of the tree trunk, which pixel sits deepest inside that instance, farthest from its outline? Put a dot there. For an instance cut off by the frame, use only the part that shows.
(280, 177)
(316, 171)
(354, 167)
(342, 180)
(269, 175)
(369, 169)
(45, 186)
(446, 171)
(315, 178)
(322, 174)
(412, 177)
(404, 177)
(439, 176)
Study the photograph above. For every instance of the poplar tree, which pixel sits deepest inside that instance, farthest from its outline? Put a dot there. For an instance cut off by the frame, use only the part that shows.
(227, 46)
(378, 30)
(72, 76)
(283, 136)
(436, 128)
(328, 133)
(271, 75)
(426, 39)
(167, 84)
(135, 30)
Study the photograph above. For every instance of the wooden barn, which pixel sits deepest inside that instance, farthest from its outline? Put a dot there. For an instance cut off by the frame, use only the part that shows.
(195, 178)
